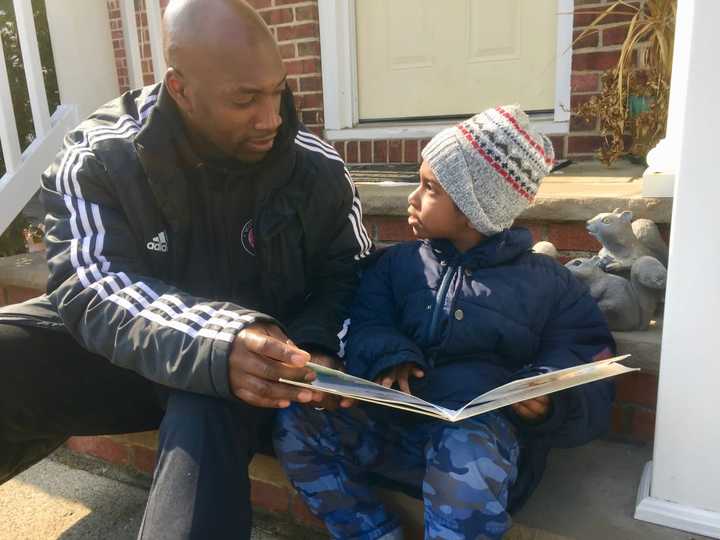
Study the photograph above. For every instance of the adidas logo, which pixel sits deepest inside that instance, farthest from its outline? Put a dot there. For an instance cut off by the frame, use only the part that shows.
(158, 243)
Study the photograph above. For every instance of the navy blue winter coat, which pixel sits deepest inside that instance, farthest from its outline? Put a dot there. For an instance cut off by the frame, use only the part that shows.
(478, 319)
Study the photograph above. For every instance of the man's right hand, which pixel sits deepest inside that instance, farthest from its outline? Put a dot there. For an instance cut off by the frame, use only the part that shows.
(261, 355)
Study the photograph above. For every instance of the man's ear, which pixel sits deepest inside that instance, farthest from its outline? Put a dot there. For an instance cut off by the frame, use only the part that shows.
(175, 84)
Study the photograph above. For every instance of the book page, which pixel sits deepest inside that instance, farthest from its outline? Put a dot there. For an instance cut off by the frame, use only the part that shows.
(339, 383)
(594, 373)
(529, 382)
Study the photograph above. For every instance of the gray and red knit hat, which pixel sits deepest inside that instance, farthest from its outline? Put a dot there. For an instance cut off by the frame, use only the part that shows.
(491, 165)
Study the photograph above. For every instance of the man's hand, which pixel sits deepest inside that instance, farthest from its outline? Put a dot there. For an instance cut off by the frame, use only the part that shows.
(534, 410)
(261, 355)
(400, 374)
(330, 401)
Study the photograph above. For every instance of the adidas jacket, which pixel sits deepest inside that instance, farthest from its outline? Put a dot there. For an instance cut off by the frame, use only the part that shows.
(117, 233)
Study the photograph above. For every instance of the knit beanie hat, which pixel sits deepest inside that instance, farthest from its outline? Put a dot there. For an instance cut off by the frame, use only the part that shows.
(491, 165)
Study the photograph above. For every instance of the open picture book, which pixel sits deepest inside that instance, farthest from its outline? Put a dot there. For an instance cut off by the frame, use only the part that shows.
(336, 382)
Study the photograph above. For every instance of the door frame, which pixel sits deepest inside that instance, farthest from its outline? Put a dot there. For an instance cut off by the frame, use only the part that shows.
(338, 46)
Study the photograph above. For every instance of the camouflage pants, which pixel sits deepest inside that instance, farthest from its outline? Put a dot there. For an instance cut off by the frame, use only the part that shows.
(464, 470)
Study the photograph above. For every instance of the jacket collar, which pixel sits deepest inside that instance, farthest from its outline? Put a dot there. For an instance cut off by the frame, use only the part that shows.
(495, 250)
(166, 155)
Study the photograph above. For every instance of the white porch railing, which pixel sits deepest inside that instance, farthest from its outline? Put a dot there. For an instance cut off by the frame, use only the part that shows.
(22, 169)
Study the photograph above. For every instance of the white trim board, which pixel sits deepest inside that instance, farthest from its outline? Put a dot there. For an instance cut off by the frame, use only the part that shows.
(671, 514)
(338, 42)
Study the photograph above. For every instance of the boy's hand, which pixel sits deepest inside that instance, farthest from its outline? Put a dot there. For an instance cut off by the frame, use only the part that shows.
(400, 374)
(534, 410)
(329, 401)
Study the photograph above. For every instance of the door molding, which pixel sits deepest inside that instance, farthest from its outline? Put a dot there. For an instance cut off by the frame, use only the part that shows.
(338, 46)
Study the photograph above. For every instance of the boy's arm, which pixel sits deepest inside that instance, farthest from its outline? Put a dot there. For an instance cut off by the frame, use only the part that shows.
(575, 333)
(375, 344)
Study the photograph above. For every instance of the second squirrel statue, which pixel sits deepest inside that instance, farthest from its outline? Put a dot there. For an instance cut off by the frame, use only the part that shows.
(626, 304)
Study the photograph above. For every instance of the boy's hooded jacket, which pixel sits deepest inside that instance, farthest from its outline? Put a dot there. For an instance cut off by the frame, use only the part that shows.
(120, 226)
(478, 319)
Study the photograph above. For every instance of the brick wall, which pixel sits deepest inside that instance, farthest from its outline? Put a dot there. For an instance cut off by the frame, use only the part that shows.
(296, 28)
(595, 53)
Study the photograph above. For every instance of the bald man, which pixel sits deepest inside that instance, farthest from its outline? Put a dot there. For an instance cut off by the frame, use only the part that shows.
(202, 245)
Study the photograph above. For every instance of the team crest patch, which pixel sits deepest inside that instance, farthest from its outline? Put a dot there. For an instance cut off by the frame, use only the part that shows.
(248, 237)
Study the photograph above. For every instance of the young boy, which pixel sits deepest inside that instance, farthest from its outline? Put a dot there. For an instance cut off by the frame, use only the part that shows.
(465, 309)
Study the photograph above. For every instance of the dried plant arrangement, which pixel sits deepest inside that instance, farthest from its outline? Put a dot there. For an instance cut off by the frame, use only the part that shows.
(632, 106)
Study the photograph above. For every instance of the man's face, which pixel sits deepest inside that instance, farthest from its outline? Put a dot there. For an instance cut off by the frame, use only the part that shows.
(231, 104)
(431, 211)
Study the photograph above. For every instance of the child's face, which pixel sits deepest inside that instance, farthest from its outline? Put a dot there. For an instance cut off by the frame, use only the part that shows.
(432, 213)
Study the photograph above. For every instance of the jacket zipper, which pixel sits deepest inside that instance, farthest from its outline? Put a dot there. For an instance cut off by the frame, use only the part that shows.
(440, 300)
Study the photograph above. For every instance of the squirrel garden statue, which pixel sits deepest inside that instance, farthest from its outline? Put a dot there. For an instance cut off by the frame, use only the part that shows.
(625, 241)
(626, 304)
(627, 278)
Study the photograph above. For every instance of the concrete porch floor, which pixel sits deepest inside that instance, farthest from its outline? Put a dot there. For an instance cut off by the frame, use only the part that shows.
(587, 494)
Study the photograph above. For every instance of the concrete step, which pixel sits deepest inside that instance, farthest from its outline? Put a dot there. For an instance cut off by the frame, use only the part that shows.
(587, 494)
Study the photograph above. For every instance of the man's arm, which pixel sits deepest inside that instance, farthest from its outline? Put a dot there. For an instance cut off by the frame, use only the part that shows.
(113, 307)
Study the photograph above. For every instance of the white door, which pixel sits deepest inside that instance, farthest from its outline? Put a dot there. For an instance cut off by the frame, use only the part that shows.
(439, 58)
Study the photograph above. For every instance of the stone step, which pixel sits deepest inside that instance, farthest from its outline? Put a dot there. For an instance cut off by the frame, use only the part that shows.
(587, 493)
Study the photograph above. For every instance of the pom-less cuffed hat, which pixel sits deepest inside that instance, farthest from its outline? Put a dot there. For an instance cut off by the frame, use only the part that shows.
(491, 165)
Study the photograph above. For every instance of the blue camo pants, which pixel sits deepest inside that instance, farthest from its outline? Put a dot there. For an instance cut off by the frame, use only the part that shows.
(465, 470)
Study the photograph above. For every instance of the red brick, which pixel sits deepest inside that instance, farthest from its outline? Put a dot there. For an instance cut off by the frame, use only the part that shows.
(298, 31)
(311, 83)
(586, 16)
(584, 144)
(558, 142)
(309, 48)
(638, 388)
(340, 147)
(306, 13)
(642, 425)
(423, 144)
(571, 236)
(100, 447)
(585, 82)
(537, 230)
(144, 459)
(278, 16)
(395, 151)
(410, 153)
(294, 84)
(366, 152)
(305, 66)
(15, 295)
(590, 39)
(600, 60)
(287, 50)
(269, 496)
(312, 117)
(285, 2)
(260, 4)
(312, 101)
(391, 229)
(615, 35)
(301, 513)
(380, 151)
(352, 152)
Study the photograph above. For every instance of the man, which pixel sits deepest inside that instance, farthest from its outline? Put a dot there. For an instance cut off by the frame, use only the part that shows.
(201, 245)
